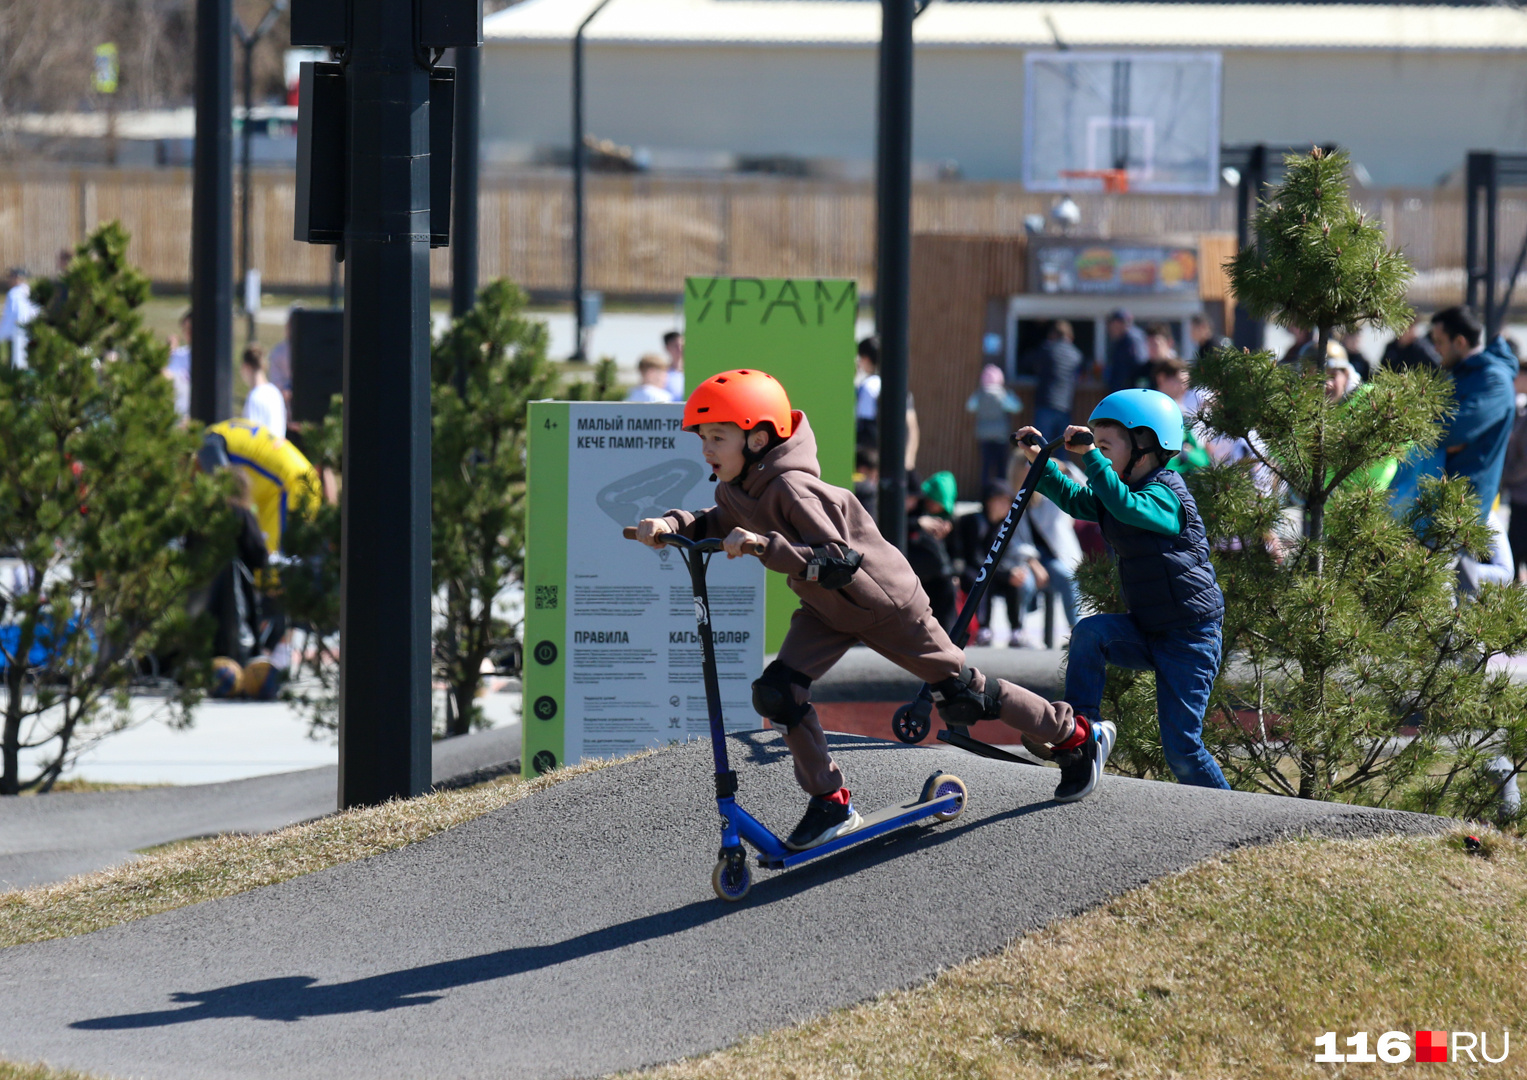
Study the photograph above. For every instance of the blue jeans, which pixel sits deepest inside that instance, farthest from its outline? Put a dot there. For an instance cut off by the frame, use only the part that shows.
(1185, 662)
(1053, 422)
(993, 462)
(1062, 583)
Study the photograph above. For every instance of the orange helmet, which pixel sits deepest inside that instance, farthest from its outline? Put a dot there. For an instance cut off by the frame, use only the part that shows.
(746, 398)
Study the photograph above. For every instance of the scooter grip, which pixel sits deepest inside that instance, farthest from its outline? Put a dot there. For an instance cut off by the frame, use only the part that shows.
(1030, 440)
(1082, 438)
(629, 532)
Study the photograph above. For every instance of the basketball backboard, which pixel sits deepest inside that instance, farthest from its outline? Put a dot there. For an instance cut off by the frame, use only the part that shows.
(1096, 121)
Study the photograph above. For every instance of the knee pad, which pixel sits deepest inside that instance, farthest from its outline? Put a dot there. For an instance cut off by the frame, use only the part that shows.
(959, 705)
(774, 695)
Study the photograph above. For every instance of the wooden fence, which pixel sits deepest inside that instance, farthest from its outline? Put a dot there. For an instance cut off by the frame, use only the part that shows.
(646, 233)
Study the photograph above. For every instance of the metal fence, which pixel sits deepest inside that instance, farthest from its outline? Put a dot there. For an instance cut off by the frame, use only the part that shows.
(645, 233)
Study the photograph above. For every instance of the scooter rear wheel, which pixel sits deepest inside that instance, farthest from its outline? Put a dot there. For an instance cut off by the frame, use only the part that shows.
(731, 879)
(942, 784)
(909, 727)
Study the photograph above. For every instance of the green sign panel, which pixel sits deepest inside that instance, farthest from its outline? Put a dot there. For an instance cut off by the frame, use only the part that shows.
(801, 331)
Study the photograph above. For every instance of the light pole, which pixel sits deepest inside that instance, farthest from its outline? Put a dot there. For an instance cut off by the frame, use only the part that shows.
(893, 205)
(249, 39)
(212, 216)
(578, 170)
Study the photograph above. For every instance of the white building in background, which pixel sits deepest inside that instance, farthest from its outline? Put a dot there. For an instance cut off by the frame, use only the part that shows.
(1407, 89)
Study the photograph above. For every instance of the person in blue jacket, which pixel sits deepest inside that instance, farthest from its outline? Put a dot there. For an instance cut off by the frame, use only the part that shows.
(1475, 438)
(1484, 382)
(1176, 610)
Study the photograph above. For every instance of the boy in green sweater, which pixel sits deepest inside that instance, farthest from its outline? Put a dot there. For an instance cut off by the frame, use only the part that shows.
(1175, 606)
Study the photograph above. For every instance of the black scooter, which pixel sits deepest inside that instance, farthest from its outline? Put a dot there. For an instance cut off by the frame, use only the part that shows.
(912, 721)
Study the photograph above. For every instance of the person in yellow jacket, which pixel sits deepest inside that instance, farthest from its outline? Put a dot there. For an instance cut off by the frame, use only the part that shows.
(281, 480)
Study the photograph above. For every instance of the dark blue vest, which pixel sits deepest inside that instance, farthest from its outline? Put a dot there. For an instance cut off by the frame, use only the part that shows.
(1168, 581)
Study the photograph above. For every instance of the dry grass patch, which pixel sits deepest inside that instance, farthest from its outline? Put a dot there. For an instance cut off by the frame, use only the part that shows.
(191, 872)
(78, 785)
(39, 1072)
(1229, 969)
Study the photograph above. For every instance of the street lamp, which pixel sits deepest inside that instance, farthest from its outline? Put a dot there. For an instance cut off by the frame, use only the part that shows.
(249, 39)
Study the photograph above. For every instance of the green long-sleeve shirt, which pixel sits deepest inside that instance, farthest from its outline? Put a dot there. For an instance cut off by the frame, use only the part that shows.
(1154, 507)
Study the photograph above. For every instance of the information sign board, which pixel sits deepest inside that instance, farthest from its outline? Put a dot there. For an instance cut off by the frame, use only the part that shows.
(612, 654)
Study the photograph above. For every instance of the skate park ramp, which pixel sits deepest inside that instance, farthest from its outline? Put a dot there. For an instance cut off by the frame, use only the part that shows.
(575, 933)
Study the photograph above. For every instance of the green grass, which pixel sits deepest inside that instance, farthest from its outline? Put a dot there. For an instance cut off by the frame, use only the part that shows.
(1230, 969)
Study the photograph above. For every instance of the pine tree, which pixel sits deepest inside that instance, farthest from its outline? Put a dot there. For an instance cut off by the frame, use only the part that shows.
(309, 584)
(1342, 623)
(112, 532)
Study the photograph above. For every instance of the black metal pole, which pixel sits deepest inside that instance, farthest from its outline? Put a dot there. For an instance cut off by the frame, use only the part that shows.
(212, 216)
(244, 132)
(893, 192)
(579, 166)
(249, 39)
(1476, 166)
(384, 709)
(1250, 332)
(465, 177)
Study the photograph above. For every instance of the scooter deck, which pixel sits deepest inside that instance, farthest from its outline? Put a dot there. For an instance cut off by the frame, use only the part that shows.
(887, 819)
(986, 750)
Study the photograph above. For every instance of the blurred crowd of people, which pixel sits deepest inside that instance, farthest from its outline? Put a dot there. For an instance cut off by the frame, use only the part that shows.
(1484, 441)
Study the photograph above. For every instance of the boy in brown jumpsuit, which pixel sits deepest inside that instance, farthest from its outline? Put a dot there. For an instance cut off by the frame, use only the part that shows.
(853, 585)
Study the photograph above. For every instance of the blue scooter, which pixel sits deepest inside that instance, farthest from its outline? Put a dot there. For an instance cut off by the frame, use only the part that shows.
(943, 796)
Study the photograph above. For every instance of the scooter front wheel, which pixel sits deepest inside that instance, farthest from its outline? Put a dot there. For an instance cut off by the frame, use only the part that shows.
(909, 727)
(731, 879)
(941, 784)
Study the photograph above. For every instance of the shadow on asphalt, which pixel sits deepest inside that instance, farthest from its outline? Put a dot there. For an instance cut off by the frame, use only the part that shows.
(296, 997)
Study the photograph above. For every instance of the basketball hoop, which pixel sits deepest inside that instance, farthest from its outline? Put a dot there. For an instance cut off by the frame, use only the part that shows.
(1114, 180)
(1143, 122)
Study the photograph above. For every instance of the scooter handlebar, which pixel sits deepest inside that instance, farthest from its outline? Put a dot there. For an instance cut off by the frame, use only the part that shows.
(710, 543)
(1081, 438)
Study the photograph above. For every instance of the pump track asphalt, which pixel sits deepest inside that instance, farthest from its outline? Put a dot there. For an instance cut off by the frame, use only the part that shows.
(574, 933)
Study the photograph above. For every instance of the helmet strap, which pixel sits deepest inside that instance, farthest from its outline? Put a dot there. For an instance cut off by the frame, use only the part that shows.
(751, 457)
(1136, 452)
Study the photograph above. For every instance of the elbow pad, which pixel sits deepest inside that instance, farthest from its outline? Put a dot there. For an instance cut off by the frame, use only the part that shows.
(830, 569)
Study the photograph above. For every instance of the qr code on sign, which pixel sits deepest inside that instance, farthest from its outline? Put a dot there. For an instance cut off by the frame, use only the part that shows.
(546, 597)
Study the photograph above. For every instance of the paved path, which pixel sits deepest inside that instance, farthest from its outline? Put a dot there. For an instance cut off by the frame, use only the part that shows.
(575, 933)
(52, 837)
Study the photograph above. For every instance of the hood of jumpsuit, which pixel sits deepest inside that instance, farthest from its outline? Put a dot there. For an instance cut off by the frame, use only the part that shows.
(798, 453)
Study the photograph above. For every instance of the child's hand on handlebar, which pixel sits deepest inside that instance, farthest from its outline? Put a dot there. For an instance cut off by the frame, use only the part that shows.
(741, 542)
(1079, 446)
(649, 529)
(1030, 449)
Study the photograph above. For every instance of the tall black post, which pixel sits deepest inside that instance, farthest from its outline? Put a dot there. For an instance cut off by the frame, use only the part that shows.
(465, 177)
(212, 216)
(384, 710)
(580, 165)
(1250, 332)
(249, 39)
(893, 194)
(1480, 186)
(246, 133)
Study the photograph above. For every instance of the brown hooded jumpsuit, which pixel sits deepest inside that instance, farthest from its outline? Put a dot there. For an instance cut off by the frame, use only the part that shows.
(784, 499)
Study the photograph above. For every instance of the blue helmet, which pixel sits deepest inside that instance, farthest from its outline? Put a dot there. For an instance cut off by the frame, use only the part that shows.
(1143, 409)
